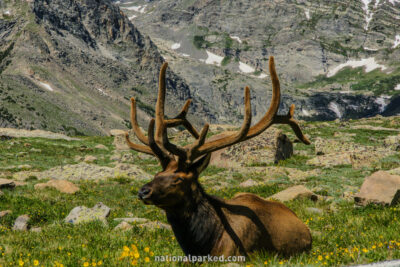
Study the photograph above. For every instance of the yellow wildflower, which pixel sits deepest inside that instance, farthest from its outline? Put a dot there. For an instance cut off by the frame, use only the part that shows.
(147, 249)
(86, 264)
(100, 262)
(21, 262)
(35, 262)
(320, 258)
(147, 259)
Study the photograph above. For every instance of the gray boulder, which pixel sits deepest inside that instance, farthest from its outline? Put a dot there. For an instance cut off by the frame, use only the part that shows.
(82, 214)
(21, 223)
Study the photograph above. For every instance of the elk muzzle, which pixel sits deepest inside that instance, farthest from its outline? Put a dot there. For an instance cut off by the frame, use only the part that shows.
(144, 193)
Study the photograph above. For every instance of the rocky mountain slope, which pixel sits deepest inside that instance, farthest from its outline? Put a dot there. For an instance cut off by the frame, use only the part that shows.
(72, 66)
(221, 46)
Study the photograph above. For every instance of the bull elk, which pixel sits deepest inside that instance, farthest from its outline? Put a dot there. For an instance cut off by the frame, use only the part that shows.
(205, 224)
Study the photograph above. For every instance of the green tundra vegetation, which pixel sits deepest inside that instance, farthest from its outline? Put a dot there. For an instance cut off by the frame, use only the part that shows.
(343, 234)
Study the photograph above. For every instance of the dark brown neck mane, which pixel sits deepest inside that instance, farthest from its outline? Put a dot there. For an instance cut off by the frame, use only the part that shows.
(195, 223)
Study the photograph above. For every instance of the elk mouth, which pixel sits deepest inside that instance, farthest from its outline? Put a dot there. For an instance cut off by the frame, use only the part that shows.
(145, 194)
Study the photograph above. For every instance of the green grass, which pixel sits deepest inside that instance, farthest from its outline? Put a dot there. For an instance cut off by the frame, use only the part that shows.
(342, 234)
(358, 80)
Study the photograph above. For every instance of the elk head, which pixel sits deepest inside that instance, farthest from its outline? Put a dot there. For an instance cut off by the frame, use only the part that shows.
(182, 165)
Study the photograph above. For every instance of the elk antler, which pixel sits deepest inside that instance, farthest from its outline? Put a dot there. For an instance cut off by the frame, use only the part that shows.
(158, 144)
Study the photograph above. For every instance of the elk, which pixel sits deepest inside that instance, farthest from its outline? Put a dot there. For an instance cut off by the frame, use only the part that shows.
(208, 225)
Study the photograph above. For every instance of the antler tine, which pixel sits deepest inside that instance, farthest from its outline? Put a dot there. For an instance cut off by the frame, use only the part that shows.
(180, 119)
(140, 148)
(135, 126)
(267, 120)
(288, 119)
(209, 147)
(161, 155)
(160, 125)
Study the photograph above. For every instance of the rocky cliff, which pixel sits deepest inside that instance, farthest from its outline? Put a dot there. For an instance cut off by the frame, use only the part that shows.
(71, 66)
(220, 46)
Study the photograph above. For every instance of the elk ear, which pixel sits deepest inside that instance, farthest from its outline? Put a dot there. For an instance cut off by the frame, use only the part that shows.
(200, 164)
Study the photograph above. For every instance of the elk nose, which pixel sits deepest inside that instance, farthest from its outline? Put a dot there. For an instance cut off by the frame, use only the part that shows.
(144, 192)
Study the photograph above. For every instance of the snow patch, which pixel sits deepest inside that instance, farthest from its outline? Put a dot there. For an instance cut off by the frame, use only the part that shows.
(370, 49)
(46, 86)
(7, 12)
(305, 112)
(369, 63)
(381, 101)
(185, 55)
(102, 92)
(136, 8)
(175, 46)
(245, 68)
(132, 17)
(394, 1)
(369, 13)
(397, 88)
(262, 76)
(335, 108)
(396, 41)
(213, 58)
(307, 12)
(236, 38)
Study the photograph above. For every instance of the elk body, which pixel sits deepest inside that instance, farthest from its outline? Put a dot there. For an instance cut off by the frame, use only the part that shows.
(205, 224)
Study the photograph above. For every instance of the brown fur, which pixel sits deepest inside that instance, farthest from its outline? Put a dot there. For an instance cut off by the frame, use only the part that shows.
(205, 224)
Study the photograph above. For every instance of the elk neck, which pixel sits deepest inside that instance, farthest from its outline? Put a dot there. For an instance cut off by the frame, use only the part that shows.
(195, 222)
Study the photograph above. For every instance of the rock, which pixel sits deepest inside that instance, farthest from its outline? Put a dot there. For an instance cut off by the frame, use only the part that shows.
(6, 183)
(24, 167)
(120, 141)
(36, 229)
(27, 145)
(17, 133)
(128, 157)
(258, 151)
(156, 225)
(378, 128)
(84, 171)
(21, 223)
(101, 146)
(379, 188)
(35, 150)
(294, 192)
(4, 213)
(89, 159)
(1, 193)
(331, 160)
(299, 175)
(132, 220)
(82, 214)
(283, 147)
(78, 158)
(248, 183)
(123, 226)
(314, 210)
(362, 156)
(18, 183)
(116, 132)
(392, 142)
(61, 185)
(115, 157)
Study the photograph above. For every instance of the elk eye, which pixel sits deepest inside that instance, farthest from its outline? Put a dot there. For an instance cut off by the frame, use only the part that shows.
(178, 180)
